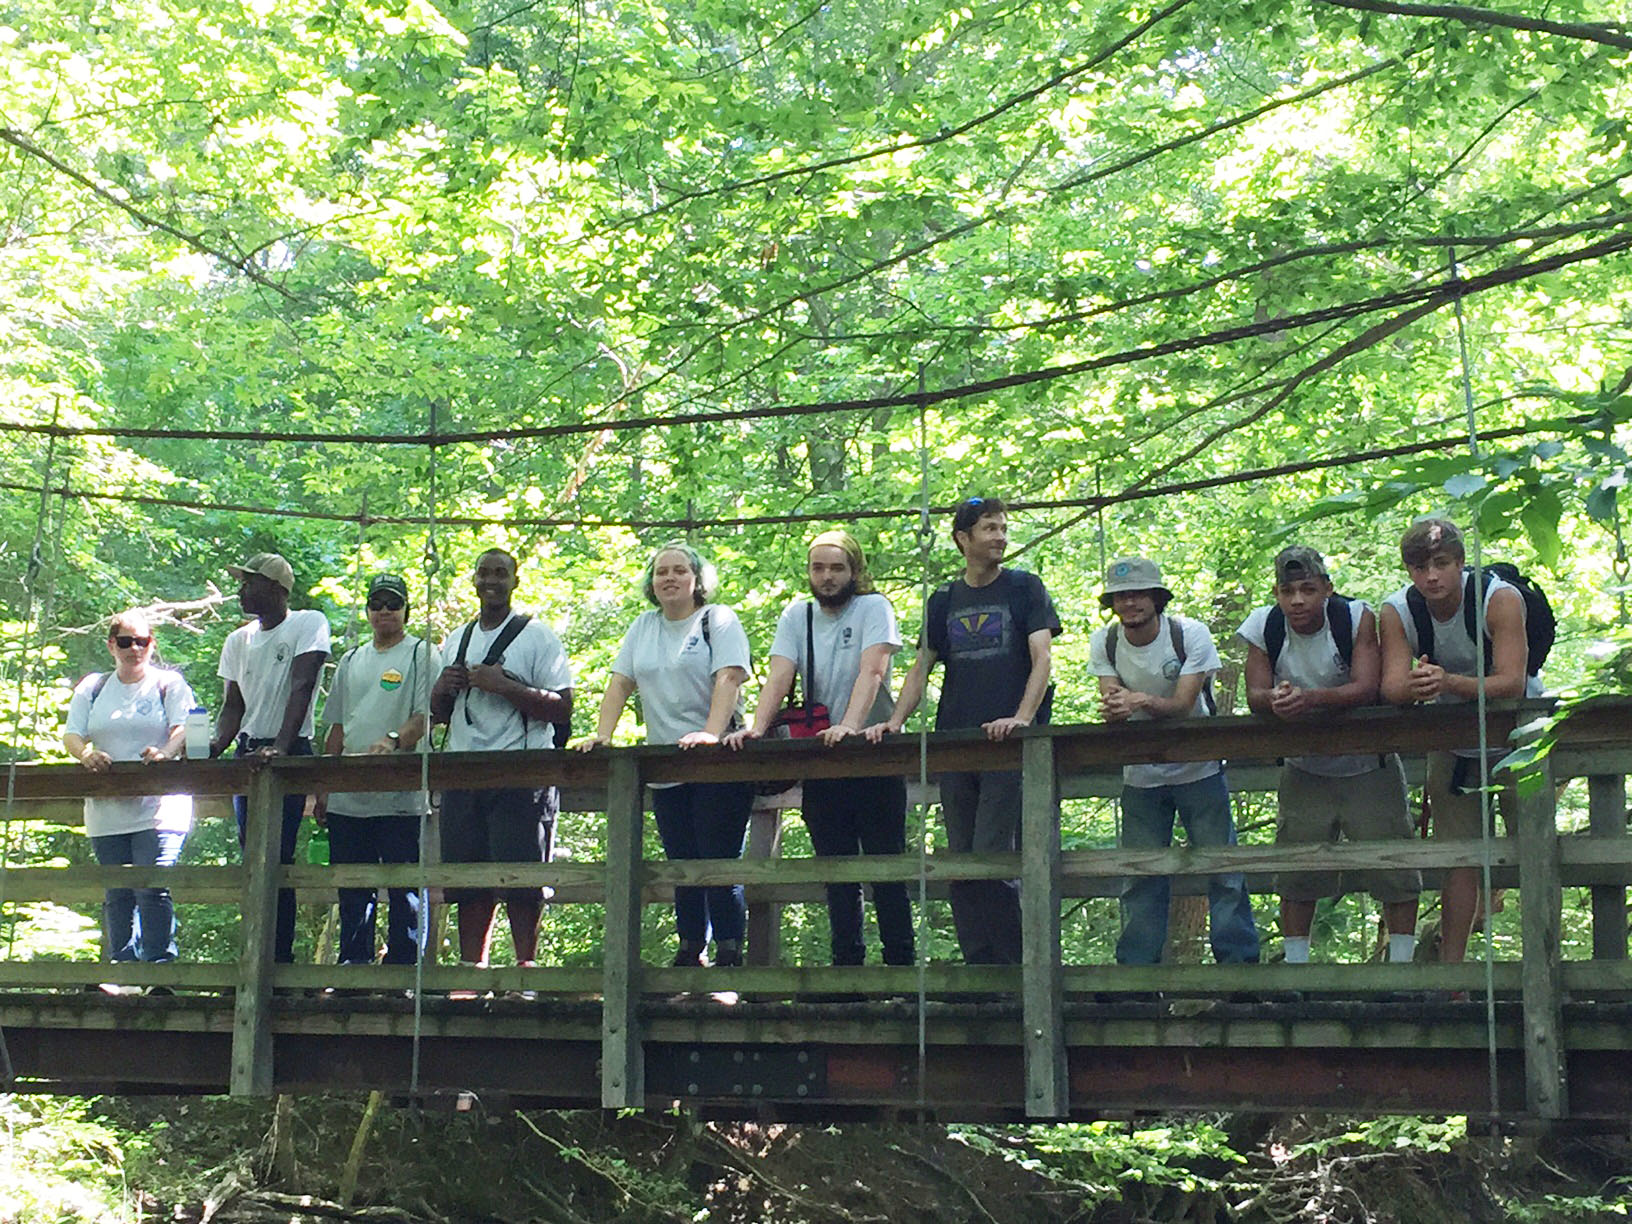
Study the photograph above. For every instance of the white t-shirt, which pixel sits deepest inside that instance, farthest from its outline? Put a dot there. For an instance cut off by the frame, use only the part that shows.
(260, 662)
(374, 692)
(485, 722)
(839, 639)
(1154, 668)
(673, 667)
(125, 719)
(1453, 645)
(1312, 661)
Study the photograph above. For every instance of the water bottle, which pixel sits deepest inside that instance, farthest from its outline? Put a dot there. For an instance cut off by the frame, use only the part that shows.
(317, 847)
(197, 729)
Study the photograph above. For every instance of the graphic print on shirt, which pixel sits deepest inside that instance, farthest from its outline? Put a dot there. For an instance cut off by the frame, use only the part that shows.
(979, 631)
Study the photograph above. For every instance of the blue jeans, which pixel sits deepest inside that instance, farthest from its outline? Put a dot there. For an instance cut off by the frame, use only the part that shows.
(705, 820)
(140, 922)
(1147, 824)
(294, 807)
(376, 839)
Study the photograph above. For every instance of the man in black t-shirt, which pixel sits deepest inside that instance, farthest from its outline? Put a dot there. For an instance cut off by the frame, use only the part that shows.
(994, 629)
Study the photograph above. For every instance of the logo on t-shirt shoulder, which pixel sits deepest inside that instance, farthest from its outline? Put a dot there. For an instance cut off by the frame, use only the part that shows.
(1171, 669)
(280, 652)
(390, 679)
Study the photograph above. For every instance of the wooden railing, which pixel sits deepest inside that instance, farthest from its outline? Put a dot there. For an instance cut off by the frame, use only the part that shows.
(1595, 742)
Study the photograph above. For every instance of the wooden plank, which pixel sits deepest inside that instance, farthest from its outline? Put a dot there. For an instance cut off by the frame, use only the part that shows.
(623, 1072)
(786, 981)
(252, 1072)
(1042, 997)
(1343, 980)
(1542, 920)
(764, 913)
(1606, 819)
(175, 974)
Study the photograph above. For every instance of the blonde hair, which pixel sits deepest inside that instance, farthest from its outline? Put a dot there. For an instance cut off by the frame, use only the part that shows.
(846, 543)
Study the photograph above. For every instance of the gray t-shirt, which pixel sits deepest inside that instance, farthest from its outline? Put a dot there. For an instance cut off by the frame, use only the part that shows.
(1453, 646)
(1154, 668)
(673, 666)
(485, 722)
(125, 719)
(840, 638)
(375, 692)
(1313, 661)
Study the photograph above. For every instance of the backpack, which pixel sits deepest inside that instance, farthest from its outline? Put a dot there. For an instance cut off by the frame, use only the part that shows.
(561, 731)
(1175, 633)
(1339, 615)
(165, 675)
(1540, 625)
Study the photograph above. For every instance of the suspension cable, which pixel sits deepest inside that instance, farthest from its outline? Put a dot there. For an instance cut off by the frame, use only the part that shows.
(926, 539)
(432, 562)
(1482, 703)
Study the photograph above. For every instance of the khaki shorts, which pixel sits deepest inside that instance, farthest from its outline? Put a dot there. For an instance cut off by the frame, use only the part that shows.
(1456, 816)
(1363, 807)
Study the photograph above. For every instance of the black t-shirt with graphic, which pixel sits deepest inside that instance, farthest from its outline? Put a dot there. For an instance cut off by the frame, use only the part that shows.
(980, 634)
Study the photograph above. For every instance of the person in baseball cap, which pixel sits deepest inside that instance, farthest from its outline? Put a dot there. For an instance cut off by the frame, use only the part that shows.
(269, 667)
(1299, 563)
(266, 565)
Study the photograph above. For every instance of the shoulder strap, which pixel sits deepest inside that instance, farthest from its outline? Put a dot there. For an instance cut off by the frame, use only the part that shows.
(464, 644)
(101, 683)
(1274, 634)
(1175, 631)
(1470, 615)
(1417, 605)
(810, 652)
(1340, 616)
(1111, 634)
(508, 634)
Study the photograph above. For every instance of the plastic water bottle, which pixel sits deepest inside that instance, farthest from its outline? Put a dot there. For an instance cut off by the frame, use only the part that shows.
(197, 729)
(317, 847)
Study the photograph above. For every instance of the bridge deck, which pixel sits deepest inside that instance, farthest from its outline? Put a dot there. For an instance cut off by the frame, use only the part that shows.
(1039, 1040)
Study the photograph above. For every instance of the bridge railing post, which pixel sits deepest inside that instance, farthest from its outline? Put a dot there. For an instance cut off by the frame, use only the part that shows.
(623, 1068)
(251, 1072)
(1606, 817)
(764, 917)
(1542, 898)
(1043, 978)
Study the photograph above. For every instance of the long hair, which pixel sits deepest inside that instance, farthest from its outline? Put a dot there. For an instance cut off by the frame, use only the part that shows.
(846, 543)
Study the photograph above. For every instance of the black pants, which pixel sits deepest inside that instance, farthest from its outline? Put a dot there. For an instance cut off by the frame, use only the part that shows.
(862, 816)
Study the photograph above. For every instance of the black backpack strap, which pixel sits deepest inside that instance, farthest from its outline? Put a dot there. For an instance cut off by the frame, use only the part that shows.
(1274, 636)
(810, 653)
(1340, 616)
(101, 683)
(512, 629)
(1422, 621)
(464, 644)
(1175, 631)
(1110, 647)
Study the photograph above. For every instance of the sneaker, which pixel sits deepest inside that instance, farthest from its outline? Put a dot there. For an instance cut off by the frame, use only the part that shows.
(690, 956)
(728, 953)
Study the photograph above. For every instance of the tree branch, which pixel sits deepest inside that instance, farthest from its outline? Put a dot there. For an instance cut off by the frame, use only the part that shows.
(241, 264)
(1608, 35)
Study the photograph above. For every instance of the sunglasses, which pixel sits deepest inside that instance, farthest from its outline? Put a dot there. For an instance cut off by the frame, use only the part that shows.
(125, 641)
(385, 603)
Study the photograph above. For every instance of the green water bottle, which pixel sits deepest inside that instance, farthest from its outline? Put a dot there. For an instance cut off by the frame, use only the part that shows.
(317, 847)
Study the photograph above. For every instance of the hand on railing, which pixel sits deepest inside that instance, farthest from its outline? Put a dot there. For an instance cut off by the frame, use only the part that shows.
(1002, 728)
(876, 733)
(154, 753)
(836, 734)
(697, 739)
(96, 760)
(588, 743)
(736, 739)
(1290, 703)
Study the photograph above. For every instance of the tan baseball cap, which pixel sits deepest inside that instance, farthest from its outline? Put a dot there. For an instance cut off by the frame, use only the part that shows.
(267, 565)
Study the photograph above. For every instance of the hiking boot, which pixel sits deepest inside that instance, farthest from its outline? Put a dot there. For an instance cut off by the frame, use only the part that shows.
(728, 952)
(690, 956)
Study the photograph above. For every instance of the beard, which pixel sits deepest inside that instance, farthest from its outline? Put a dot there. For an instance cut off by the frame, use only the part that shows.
(839, 598)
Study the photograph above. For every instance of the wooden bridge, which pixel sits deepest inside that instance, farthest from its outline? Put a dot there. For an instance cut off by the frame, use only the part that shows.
(1549, 1044)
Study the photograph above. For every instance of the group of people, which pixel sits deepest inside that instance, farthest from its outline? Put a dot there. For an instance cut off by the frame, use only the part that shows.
(503, 683)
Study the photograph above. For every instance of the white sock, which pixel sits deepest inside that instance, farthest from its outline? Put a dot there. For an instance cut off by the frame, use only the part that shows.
(1401, 948)
(1297, 949)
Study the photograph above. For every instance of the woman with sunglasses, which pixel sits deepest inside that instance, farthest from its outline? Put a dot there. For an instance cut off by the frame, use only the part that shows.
(688, 658)
(136, 712)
